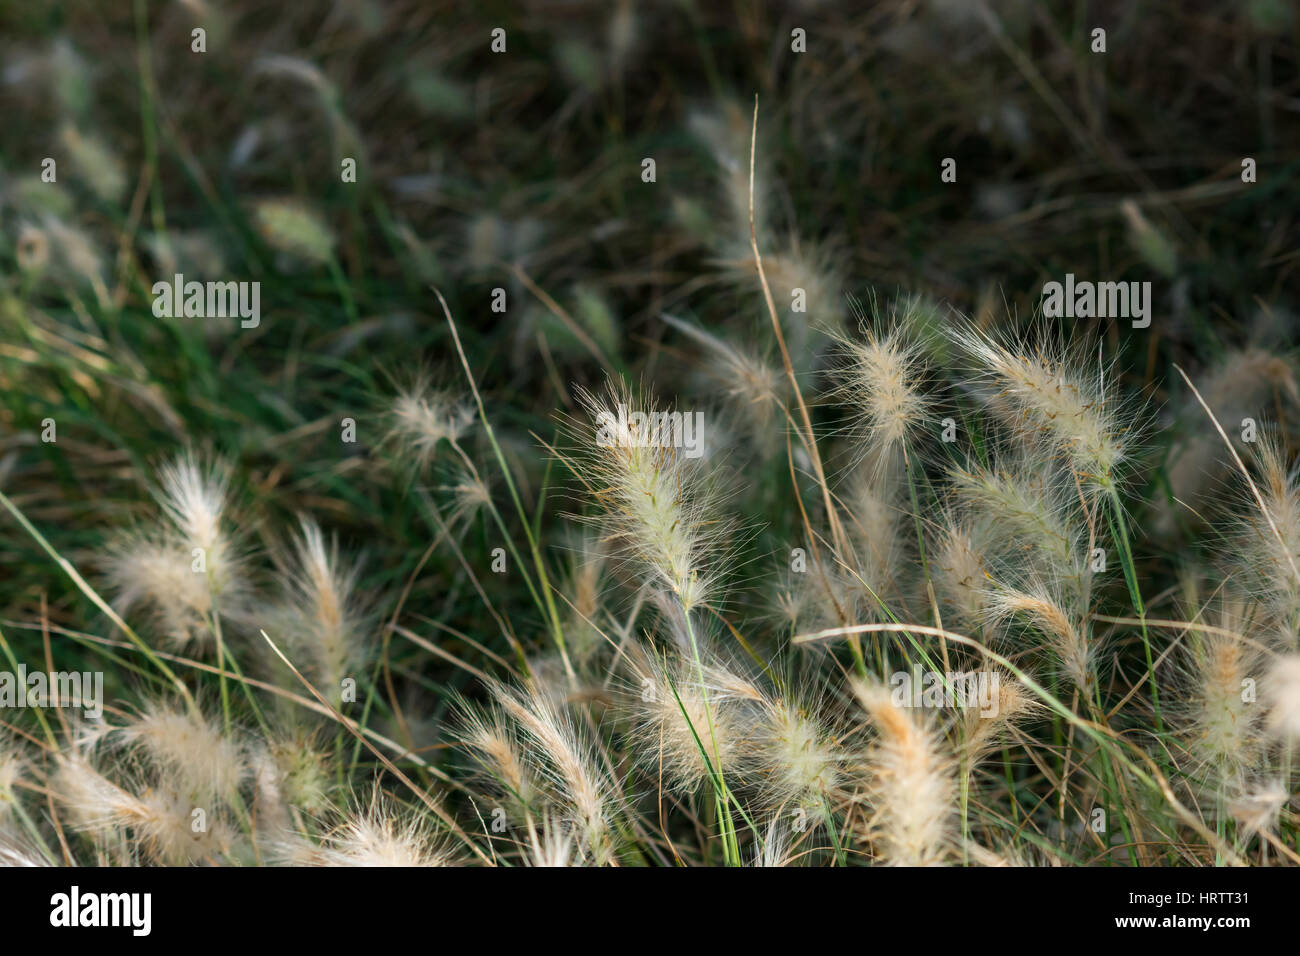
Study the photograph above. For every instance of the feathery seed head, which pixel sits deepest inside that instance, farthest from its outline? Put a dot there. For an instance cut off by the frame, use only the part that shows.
(985, 732)
(160, 820)
(469, 494)
(879, 379)
(797, 756)
(1258, 807)
(74, 254)
(1031, 520)
(655, 497)
(1072, 409)
(422, 417)
(1221, 729)
(319, 612)
(1044, 611)
(302, 771)
(1283, 694)
(554, 846)
(1239, 386)
(206, 764)
(1270, 543)
(754, 387)
(189, 568)
(194, 498)
(567, 762)
(94, 802)
(494, 742)
(95, 164)
(960, 567)
(688, 729)
(32, 249)
(378, 836)
(912, 786)
(585, 586)
(292, 228)
(875, 506)
(11, 771)
(774, 847)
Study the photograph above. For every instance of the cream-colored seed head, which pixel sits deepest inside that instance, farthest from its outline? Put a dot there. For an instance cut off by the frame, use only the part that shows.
(421, 418)
(653, 495)
(912, 788)
(1071, 409)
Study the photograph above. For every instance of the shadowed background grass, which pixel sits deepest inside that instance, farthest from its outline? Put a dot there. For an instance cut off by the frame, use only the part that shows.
(523, 170)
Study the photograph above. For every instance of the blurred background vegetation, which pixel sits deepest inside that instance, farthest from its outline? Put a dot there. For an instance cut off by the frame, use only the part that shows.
(522, 170)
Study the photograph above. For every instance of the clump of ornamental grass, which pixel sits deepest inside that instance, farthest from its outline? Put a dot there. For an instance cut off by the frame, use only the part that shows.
(660, 725)
(151, 822)
(663, 713)
(917, 493)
